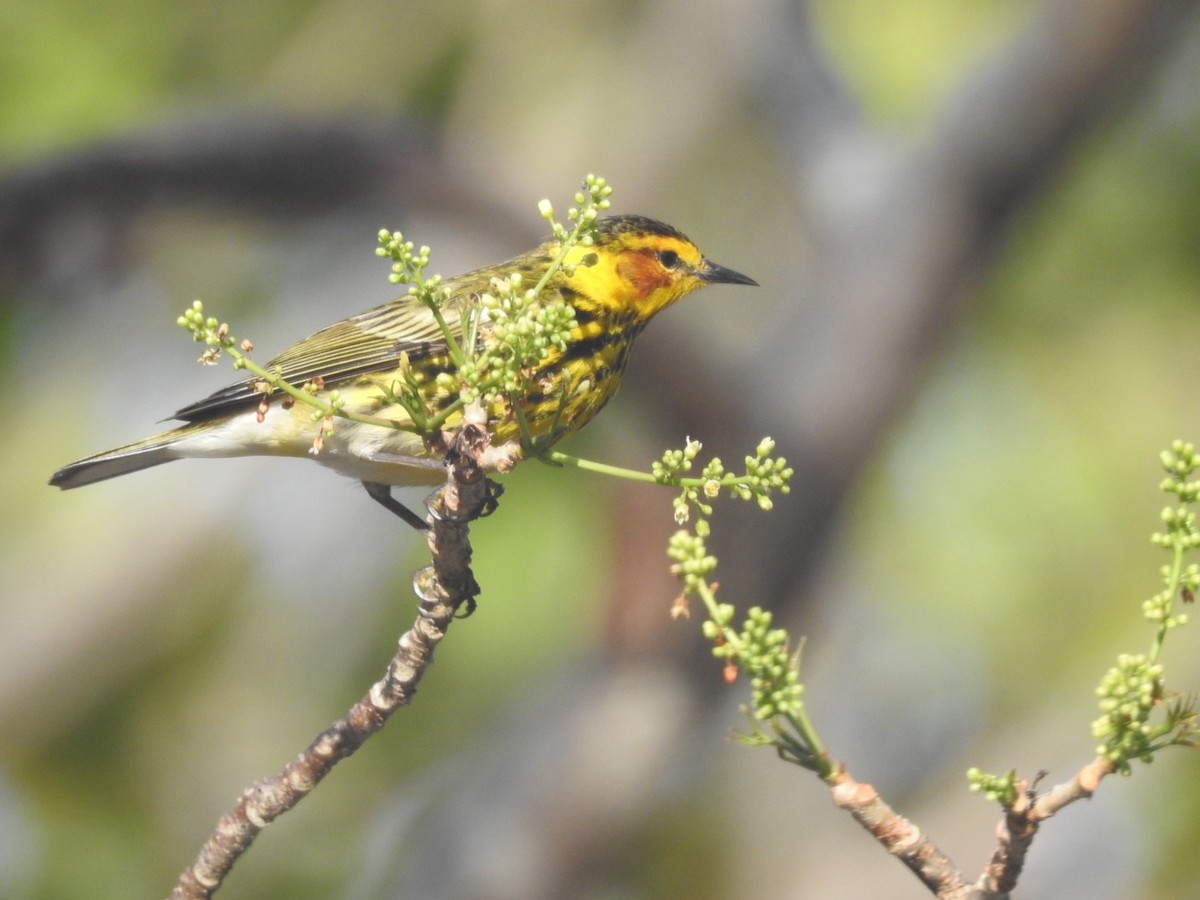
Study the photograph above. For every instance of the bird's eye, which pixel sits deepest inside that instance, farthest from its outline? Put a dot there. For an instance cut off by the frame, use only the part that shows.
(669, 258)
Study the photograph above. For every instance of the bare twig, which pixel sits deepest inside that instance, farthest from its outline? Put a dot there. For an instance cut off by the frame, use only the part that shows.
(443, 588)
(1016, 830)
(1014, 835)
(899, 836)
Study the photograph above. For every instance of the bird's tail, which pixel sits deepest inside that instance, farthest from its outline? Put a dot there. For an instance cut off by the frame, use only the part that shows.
(151, 451)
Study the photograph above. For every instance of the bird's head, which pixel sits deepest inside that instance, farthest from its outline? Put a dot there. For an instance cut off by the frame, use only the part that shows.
(641, 266)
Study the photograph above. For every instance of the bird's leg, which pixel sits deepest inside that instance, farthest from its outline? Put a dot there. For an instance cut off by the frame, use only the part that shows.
(382, 494)
(494, 491)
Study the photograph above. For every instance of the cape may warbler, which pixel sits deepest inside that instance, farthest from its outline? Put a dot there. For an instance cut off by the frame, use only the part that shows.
(634, 268)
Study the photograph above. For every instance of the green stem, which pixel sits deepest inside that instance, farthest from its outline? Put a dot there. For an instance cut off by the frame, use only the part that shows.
(328, 409)
(1172, 591)
(562, 459)
(527, 442)
(811, 741)
(436, 422)
(452, 346)
(565, 247)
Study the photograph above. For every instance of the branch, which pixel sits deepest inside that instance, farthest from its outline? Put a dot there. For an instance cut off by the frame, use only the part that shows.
(1014, 835)
(443, 588)
(1016, 830)
(899, 836)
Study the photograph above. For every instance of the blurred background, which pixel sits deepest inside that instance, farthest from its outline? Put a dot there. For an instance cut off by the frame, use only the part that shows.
(975, 224)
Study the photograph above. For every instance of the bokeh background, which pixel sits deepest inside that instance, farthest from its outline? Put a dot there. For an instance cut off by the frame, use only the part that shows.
(975, 224)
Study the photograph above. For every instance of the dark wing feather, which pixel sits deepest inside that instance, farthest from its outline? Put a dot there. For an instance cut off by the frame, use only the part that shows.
(369, 342)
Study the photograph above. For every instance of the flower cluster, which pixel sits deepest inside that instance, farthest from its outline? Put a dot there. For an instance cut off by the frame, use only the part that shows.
(1000, 789)
(519, 332)
(1128, 693)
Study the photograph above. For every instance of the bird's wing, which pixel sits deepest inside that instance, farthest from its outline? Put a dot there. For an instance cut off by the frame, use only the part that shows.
(369, 342)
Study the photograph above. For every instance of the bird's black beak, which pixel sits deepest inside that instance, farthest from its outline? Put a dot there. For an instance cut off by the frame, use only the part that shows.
(714, 274)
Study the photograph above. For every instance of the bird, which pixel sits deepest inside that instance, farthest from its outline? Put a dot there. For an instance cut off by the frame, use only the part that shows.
(634, 268)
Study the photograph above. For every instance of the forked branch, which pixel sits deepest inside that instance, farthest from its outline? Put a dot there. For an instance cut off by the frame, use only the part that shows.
(443, 588)
(1014, 835)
